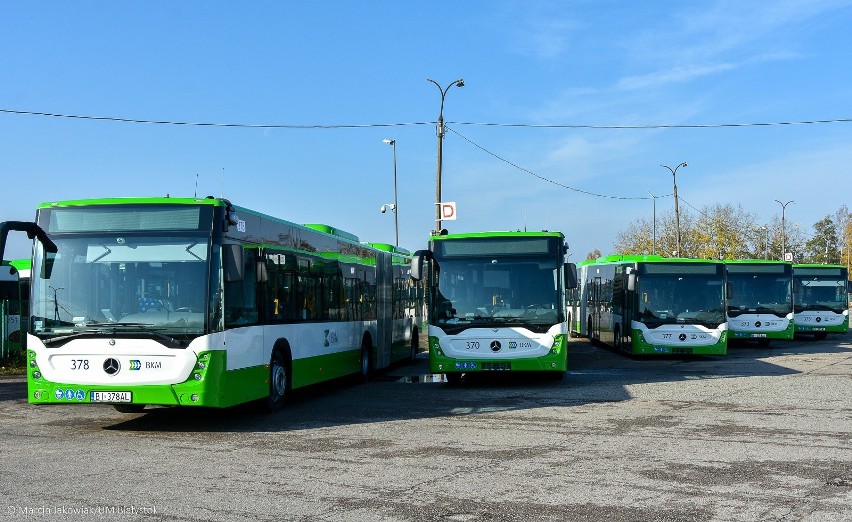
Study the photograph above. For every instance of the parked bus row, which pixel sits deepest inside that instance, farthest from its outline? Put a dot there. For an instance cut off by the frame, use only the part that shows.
(646, 305)
(198, 302)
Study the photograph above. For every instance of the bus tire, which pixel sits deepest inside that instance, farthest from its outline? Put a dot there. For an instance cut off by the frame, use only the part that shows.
(279, 382)
(415, 346)
(366, 369)
(129, 408)
(617, 341)
(589, 332)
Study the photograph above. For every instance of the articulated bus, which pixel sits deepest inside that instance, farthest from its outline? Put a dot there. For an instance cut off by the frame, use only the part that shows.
(650, 305)
(14, 295)
(821, 305)
(760, 300)
(496, 302)
(198, 302)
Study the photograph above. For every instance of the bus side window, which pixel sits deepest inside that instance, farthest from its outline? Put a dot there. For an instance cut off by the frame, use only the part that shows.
(241, 296)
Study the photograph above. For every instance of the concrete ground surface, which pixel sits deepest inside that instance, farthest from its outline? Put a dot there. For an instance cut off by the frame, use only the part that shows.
(759, 434)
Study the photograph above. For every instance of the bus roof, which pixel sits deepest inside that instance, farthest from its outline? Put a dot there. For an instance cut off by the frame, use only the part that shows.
(210, 200)
(757, 262)
(135, 201)
(641, 258)
(469, 235)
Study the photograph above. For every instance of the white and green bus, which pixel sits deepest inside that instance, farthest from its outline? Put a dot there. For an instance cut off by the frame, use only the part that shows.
(496, 302)
(14, 294)
(650, 305)
(760, 300)
(822, 301)
(197, 302)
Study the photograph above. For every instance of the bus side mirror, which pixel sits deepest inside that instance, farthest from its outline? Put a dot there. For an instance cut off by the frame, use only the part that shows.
(418, 262)
(570, 276)
(232, 263)
(32, 230)
(631, 281)
(729, 291)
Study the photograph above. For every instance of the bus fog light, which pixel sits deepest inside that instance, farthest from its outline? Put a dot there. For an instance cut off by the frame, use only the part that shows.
(197, 376)
(194, 397)
(201, 365)
(36, 375)
(33, 364)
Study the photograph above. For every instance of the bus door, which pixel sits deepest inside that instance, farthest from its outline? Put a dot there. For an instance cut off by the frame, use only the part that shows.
(595, 309)
(384, 312)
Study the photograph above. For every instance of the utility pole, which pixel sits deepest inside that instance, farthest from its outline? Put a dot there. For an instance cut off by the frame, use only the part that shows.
(440, 132)
(677, 210)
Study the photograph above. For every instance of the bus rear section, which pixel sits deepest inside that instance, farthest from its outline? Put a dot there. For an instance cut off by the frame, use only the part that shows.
(497, 303)
(648, 305)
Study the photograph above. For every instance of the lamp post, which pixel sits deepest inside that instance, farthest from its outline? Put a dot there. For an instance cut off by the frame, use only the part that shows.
(440, 132)
(783, 227)
(395, 206)
(653, 197)
(765, 230)
(677, 211)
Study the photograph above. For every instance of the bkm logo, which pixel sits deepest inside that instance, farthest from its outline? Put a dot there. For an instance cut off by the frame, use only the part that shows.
(135, 365)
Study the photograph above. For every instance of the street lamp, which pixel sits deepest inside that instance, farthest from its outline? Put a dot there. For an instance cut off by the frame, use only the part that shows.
(653, 197)
(393, 206)
(783, 227)
(765, 231)
(677, 211)
(440, 131)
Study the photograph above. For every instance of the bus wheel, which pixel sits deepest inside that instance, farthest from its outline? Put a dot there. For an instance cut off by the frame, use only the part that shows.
(279, 383)
(616, 340)
(366, 367)
(415, 346)
(129, 408)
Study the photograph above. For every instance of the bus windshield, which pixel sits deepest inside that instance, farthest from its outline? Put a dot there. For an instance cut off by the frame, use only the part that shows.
(110, 284)
(822, 293)
(681, 299)
(759, 293)
(497, 291)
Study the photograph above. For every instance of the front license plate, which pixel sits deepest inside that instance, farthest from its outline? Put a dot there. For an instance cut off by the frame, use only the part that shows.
(110, 396)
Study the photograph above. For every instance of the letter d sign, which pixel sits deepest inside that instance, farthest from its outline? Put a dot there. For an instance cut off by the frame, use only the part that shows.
(448, 211)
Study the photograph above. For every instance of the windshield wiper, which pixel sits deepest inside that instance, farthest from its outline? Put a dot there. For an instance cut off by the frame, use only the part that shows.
(113, 329)
(62, 339)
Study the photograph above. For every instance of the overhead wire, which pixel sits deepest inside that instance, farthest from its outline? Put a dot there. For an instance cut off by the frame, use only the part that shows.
(408, 124)
(542, 178)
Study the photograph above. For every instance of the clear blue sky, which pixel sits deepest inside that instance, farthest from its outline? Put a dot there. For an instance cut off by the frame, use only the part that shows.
(597, 63)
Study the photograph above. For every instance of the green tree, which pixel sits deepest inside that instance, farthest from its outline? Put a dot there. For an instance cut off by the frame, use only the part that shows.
(724, 232)
(823, 247)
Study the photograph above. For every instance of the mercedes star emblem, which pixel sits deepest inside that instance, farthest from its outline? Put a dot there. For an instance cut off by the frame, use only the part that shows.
(111, 366)
(495, 346)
